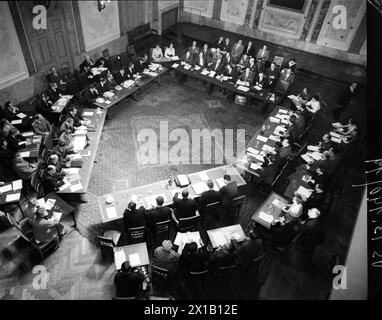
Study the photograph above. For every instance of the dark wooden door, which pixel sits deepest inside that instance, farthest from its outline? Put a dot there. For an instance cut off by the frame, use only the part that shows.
(53, 45)
(169, 18)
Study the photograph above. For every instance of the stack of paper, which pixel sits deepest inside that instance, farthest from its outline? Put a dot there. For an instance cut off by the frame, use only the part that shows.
(17, 185)
(17, 121)
(255, 166)
(197, 67)
(267, 148)
(259, 158)
(175, 58)
(199, 187)
(262, 138)
(266, 217)
(307, 158)
(175, 65)
(25, 154)
(88, 113)
(278, 203)
(220, 182)
(111, 212)
(21, 115)
(335, 134)
(205, 72)
(283, 111)
(79, 142)
(253, 151)
(242, 88)
(12, 197)
(316, 155)
(187, 66)
(336, 140)
(6, 188)
(154, 66)
(274, 119)
(183, 180)
(313, 148)
(28, 134)
(304, 192)
(119, 258)
(100, 100)
(258, 88)
(49, 204)
(273, 138)
(66, 185)
(212, 74)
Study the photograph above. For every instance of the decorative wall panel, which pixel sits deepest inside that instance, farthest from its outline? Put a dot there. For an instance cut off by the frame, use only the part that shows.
(282, 21)
(12, 63)
(163, 4)
(234, 11)
(341, 38)
(199, 7)
(98, 27)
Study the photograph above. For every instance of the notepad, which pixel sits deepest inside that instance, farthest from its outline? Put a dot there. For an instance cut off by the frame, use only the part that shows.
(274, 119)
(277, 203)
(16, 122)
(76, 187)
(262, 138)
(25, 154)
(111, 212)
(283, 111)
(205, 72)
(268, 148)
(57, 215)
(134, 260)
(242, 88)
(199, 187)
(253, 151)
(49, 204)
(212, 74)
(258, 88)
(21, 115)
(266, 217)
(219, 238)
(187, 66)
(316, 155)
(12, 197)
(273, 138)
(6, 188)
(88, 113)
(306, 193)
(119, 258)
(307, 158)
(255, 166)
(28, 134)
(17, 185)
(313, 148)
(197, 67)
(183, 180)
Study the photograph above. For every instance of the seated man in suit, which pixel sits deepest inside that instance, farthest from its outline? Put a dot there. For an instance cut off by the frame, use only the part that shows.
(248, 250)
(62, 153)
(247, 76)
(6, 157)
(217, 67)
(45, 228)
(326, 143)
(230, 72)
(228, 192)
(206, 51)
(55, 161)
(102, 62)
(260, 80)
(293, 130)
(55, 77)
(201, 61)
(142, 63)
(250, 49)
(236, 51)
(263, 55)
(13, 138)
(50, 180)
(23, 168)
(272, 74)
(227, 59)
(287, 75)
(102, 86)
(11, 111)
(226, 46)
(134, 217)
(243, 63)
(121, 76)
(312, 231)
(90, 95)
(130, 71)
(270, 169)
(209, 196)
(220, 43)
(157, 53)
(41, 126)
(87, 64)
(73, 114)
(252, 65)
(128, 281)
(110, 81)
(159, 214)
(222, 256)
(188, 58)
(44, 106)
(291, 65)
(185, 207)
(67, 135)
(54, 92)
(68, 124)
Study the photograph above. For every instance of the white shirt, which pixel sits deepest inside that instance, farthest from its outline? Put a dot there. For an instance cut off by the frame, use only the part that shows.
(157, 53)
(295, 210)
(169, 52)
(314, 106)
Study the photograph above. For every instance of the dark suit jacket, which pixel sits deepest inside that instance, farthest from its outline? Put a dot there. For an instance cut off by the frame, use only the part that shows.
(140, 65)
(263, 58)
(253, 68)
(202, 63)
(312, 233)
(219, 258)
(119, 77)
(101, 89)
(228, 193)
(293, 132)
(130, 73)
(272, 73)
(220, 45)
(250, 78)
(128, 284)
(232, 74)
(219, 68)
(134, 219)
(51, 183)
(226, 47)
(54, 95)
(89, 98)
(159, 214)
(248, 250)
(185, 208)
(208, 197)
(261, 82)
(225, 61)
(44, 107)
(194, 262)
(111, 83)
(345, 98)
(250, 51)
(10, 115)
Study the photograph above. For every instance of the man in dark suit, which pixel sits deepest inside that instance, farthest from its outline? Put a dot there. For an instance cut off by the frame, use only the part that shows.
(73, 114)
(227, 59)
(50, 180)
(142, 63)
(194, 51)
(272, 74)
(230, 72)
(260, 80)
(44, 106)
(102, 86)
(185, 207)
(263, 55)
(312, 232)
(188, 58)
(194, 259)
(236, 51)
(227, 45)
(55, 77)
(217, 67)
(220, 43)
(248, 250)
(159, 214)
(54, 92)
(247, 76)
(90, 95)
(130, 71)
(293, 130)
(120, 76)
(346, 98)
(134, 217)
(228, 192)
(11, 111)
(209, 196)
(62, 153)
(128, 282)
(252, 65)
(250, 49)
(205, 51)
(202, 60)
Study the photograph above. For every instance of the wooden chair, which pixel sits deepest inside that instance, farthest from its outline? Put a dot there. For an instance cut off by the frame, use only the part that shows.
(197, 280)
(137, 235)
(108, 241)
(36, 184)
(224, 274)
(211, 209)
(237, 203)
(160, 279)
(23, 225)
(282, 87)
(188, 224)
(161, 231)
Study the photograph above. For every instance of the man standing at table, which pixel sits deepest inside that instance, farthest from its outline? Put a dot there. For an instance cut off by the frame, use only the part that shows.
(194, 51)
(185, 207)
(159, 214)
(346, 98)
(134, 217)
(209, 196)
(228, 192)
(90, 95)
(237, 51)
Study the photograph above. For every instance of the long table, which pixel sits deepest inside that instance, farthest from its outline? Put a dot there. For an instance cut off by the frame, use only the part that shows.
(94, 134)
(267, 130)
(123, 93)
(261, 95)
(148, 193)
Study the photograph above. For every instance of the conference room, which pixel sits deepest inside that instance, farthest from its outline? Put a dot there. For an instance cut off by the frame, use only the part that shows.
(181, 150)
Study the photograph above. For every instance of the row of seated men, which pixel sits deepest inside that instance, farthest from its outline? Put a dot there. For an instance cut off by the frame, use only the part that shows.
(235, 63)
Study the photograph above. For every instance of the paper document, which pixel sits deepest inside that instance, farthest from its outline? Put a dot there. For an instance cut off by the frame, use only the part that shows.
(119, 258)
(212, 74)
(316, 155)
(49, 204)
(76, 187)
(183, 180)
(259, 158)
(274, 119)
(17, 121)
(199, 187)
(175, 58)
(313, 148)
(220, 182)
(6, 188)
(255, 166)
(134, 260)
(79, 142)
(267, 148)
(111, 212)
(336, 140)
(25, 154)
(277, 203)
(88, 113)
(205, 72)
(12, 197)
(187, 66)
(283, 111)
(253, 151)
(100, 100)
(17, 185)
(306, 193)
(336, 124)
(21, 115)
(262, 138)
(258, 88)
(307, 158)
(175, 65)
(273, 138)
(57, 215)
(66, 185)
(219, 238)
(197, 67)
(266, 217)
(28, 134)
(242, 88)
(203, 175)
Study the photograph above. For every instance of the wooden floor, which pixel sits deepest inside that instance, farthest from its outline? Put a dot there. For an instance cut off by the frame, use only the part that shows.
(76, 270)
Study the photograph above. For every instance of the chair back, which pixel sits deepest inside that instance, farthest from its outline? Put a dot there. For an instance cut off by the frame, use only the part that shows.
(124, 58)
(237, 204)
(211, 207)
(137, 235)
(278, 61)
(83, 80)
(115, 63)
(36, 184)
(224, 274)
(282, 87)
(162, 231)
(24, 226)
(188, 224)
(159, 273)
(131, 51)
